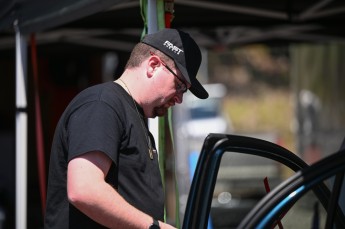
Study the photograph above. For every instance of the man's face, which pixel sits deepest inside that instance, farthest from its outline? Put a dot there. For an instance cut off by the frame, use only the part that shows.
(170, 87)
(167, 102)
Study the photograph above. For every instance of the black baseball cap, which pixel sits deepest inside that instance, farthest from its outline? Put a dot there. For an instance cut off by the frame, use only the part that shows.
(186, 54)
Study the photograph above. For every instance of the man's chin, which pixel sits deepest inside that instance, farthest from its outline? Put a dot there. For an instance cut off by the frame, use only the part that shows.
(160, 111)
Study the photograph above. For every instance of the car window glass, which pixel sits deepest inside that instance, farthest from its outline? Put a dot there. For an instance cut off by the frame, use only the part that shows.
(308, 211)
(242, 181)
(330, 184)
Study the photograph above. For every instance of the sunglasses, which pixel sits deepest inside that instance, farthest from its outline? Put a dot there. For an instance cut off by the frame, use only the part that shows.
(181, 86)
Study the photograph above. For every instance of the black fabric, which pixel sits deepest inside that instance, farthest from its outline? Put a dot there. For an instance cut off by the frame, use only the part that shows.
(342, 144)
(103, 118)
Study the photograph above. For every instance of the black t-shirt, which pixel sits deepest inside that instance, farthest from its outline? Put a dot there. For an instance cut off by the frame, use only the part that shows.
(103, 118)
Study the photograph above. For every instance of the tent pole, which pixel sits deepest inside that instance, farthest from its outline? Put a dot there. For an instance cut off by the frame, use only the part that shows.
(21, 130)
(152, 18)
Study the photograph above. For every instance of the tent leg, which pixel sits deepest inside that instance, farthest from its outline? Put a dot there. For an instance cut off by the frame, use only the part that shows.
(21, 131)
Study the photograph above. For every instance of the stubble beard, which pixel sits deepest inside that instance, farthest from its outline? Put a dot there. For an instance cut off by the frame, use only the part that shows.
(160, 111)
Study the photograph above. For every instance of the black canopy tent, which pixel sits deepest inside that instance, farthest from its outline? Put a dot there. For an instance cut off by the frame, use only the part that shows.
(117, 25)
(37, 15)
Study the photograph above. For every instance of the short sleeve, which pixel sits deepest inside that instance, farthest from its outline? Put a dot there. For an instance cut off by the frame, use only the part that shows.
(94, 126)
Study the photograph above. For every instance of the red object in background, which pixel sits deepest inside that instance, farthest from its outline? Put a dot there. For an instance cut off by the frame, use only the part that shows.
(169, 12)
(268, 189)
(39, 132)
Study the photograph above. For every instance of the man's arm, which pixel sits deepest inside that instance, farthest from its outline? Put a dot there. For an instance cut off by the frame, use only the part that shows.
(88, 191)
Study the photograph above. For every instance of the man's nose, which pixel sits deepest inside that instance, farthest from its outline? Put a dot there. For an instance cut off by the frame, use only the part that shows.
(178, 98)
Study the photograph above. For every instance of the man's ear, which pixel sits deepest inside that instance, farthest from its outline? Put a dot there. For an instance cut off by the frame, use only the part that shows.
(152, 64)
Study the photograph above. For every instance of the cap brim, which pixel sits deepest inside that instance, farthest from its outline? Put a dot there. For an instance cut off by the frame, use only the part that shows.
(196, 88)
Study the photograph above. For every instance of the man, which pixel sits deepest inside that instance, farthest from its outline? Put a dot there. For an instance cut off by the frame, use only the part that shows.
(104, 167)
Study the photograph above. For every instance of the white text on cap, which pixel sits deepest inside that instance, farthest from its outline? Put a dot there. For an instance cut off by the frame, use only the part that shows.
(171, 46)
